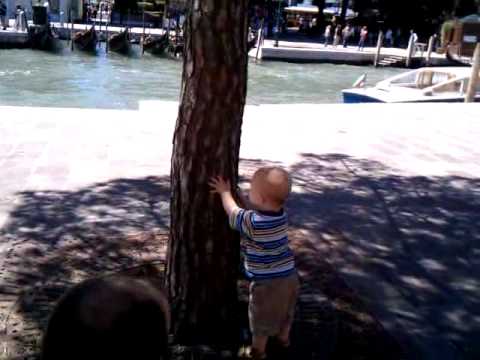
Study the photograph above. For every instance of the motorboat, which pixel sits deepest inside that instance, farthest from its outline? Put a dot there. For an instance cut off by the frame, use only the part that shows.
(438, 84)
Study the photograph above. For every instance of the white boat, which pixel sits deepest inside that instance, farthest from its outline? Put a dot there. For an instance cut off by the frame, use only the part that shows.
(439, 84)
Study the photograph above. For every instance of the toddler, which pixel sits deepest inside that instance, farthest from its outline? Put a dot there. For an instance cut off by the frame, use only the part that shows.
(268, 259)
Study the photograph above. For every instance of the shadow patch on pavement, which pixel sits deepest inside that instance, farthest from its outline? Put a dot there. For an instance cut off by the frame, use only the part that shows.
(56, 239)
(410, 245)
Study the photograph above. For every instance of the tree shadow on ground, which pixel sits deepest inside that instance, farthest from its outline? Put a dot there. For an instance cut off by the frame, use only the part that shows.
(59, 238)
(409, 245)
(416, 236)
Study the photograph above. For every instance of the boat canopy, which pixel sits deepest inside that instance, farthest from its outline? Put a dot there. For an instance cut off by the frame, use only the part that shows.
(302, 9)
(312, 9)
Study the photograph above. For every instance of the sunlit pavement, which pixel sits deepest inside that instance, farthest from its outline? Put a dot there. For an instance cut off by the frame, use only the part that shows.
(401, 183)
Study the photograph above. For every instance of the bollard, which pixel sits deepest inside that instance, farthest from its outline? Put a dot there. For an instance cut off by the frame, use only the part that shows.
(430, 49)
(260, 41)
(71, 30)
(474, 78)
(379, 48)
(410, 50)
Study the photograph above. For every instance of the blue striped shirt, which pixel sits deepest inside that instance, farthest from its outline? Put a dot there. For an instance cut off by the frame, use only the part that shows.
(265, 245)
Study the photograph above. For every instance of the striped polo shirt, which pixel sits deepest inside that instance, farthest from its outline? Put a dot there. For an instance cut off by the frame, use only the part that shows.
(266, 251)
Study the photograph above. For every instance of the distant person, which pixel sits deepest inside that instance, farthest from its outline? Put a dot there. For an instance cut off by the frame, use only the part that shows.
(363, 38)
(337, 35)
(413, 40)
(413, 37)
(346, 33)
(389, 38)
(3, 15)
(327, 34)
(117, 317)
(20, 19)
(268, 259)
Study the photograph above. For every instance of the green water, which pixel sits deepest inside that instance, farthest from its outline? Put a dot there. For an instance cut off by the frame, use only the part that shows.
(35, 78)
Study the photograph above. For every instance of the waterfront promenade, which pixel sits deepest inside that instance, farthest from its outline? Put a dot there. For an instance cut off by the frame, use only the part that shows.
(302, 51)
(388, 194)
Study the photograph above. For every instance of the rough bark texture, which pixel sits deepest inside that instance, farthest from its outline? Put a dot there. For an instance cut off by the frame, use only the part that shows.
(203, 252)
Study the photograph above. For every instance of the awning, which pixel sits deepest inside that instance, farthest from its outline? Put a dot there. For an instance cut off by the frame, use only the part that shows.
(302, 9)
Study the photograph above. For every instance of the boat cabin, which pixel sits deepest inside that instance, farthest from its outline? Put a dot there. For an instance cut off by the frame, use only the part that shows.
(461, 35)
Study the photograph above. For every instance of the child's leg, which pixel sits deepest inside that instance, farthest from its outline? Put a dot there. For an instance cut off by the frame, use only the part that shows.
(283, 336)
(259, 345)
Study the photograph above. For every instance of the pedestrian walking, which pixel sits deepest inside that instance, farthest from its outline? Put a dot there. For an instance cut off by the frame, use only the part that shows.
(363, 38)
(389, 38)
(346, 33)
(328, 32)
(337, 36)
(3, 16)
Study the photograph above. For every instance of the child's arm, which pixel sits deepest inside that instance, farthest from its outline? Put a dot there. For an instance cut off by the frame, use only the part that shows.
(222, 187)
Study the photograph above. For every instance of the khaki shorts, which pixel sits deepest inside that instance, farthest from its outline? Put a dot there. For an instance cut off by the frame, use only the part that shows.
(272, 305)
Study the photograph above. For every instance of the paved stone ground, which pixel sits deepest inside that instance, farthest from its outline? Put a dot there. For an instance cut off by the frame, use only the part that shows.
(388, 194)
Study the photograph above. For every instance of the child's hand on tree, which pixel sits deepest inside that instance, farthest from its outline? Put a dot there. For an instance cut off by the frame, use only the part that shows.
(219, 185)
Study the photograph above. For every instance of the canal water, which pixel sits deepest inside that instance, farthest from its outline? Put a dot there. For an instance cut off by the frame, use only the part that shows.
(35, 78)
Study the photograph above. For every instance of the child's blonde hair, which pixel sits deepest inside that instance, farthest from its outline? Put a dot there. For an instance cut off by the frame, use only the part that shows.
(274, 183)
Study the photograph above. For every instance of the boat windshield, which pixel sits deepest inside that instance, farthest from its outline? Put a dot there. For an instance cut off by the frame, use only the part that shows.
(422, 79)
(456, 86)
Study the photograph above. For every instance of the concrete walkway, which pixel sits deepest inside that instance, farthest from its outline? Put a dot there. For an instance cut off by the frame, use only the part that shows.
(389, 194)
(317, 52)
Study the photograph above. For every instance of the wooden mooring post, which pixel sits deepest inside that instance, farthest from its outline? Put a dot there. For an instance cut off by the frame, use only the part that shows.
(474, 78)
(71, 29)
(431, 42)
(410, 51)
(379, 49)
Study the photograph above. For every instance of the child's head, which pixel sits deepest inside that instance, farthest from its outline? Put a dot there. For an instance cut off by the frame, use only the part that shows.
(115, 317)
(270, 187)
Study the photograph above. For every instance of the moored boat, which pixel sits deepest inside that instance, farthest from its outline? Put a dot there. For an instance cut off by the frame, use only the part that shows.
(155, 46)
(440, 84)
(86, 40)
(120, 42)
(43, 37)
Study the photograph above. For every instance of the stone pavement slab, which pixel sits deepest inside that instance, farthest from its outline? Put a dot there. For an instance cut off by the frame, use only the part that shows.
(399, 184)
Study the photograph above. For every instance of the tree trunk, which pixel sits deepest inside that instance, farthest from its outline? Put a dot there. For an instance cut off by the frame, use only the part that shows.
(343, 14)
(320, 17)
(203, 254)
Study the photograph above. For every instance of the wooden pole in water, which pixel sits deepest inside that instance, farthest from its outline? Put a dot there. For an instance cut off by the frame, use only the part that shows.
(430, 49)
(474, 78)
(71, 29)
(100, 26)
(410, 50)
(143, 31)
(379, 48)
(259, 40)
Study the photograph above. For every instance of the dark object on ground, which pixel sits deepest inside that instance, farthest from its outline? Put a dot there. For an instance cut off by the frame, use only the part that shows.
(86, 40)
(116, 317)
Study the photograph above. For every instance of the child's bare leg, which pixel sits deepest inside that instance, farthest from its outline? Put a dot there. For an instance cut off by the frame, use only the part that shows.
(284, 334)
(259, 345)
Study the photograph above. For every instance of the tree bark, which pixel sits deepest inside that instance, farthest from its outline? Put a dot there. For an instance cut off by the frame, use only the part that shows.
(320, 17)
(343, 14)
(203, 254)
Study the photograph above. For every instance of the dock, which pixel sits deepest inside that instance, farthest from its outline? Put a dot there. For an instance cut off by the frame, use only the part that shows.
(13, 39)
(312, 52)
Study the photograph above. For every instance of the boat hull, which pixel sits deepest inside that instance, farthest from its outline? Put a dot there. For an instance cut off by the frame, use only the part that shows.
(356, 97)
(86, 41)
(120, 43)
(156, 46)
